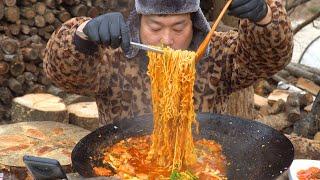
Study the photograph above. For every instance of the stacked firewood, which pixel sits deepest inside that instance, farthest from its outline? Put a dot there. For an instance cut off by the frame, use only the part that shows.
(25, 27)
(290, 101)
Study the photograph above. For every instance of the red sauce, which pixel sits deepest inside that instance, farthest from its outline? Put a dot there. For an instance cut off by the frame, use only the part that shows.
(130, 157)
(312, 173)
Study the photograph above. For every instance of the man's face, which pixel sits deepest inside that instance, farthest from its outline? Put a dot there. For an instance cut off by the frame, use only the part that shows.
(174, 31)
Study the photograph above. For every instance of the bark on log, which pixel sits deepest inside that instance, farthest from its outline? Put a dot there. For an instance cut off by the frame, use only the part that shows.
(44, 139)
(241, 103)
(277, 107)
(307, 68)
(15, 86)
(262, 88)
(12, 14)
(84, 114)
(293, 108)
(38, 107)
(305, 148)
(10, 2)
(17, 68)
(298, 72)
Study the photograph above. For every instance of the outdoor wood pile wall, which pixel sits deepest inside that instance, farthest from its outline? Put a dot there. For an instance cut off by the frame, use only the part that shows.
(290, 101)
(25, 27)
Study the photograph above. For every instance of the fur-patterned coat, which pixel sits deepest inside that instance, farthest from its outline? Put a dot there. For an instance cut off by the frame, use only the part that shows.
(122, 88)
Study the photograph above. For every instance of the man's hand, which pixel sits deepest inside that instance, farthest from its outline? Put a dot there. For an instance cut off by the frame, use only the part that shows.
(110, 30)
(254, 10)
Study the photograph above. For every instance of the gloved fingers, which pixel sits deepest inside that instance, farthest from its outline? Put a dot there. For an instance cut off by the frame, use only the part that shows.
(125, 37)
(104, 33)
(250, 6)
(115, 35)
(251, 15)
(91, 31)
(237, 3)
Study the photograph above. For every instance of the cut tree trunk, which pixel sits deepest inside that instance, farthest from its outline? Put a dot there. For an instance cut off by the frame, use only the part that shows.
(84, 114)
(241, 103)
(4, 67)
(38, 107)
(17, 68)
(44, 139)
(10, 2)
(9, 46)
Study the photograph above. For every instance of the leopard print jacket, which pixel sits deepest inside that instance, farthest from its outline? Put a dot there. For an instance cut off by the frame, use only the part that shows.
(121, 86)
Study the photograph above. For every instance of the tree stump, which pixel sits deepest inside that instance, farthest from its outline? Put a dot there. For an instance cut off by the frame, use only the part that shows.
(38, 107)
(44, 139)
(84, 114)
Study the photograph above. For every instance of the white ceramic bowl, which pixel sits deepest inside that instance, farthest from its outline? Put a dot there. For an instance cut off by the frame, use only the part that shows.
(301, 164)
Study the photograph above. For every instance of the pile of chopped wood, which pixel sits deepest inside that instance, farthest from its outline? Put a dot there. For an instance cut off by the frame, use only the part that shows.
(25, 27)
(290, 101)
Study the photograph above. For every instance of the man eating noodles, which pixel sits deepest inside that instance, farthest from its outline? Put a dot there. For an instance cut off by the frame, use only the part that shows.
(104, 65)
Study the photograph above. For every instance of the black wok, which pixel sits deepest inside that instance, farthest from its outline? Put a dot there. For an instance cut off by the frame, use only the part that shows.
(254, 150)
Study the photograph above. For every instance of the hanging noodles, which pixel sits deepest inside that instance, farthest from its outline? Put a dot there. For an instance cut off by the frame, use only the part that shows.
(172, 77)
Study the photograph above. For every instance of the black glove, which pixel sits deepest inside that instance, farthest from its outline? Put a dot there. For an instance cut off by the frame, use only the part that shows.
(110, 30)
(254, 10)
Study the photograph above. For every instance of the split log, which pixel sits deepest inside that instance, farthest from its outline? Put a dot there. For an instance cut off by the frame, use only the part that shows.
(305, 100)
(4, 67)
(10, 2)
(29, 76)
(75, 98)
(298, 72)
(79, 10)
(9, 46)
(293, 108)
(15, 86)
(93, 12)
(278, 121)
(39, 21)
(12, 14)
(21, 79)
(31, 67)
(40, 8)
(28, 13)
(278, 94)
(29, 54)
(305, 148)
(84, 114)
(49, 17)
(64, 16)
(38, 107)
(260, 101)
(14, 29)
(44, 139)
(308, 86)
(25, 29)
